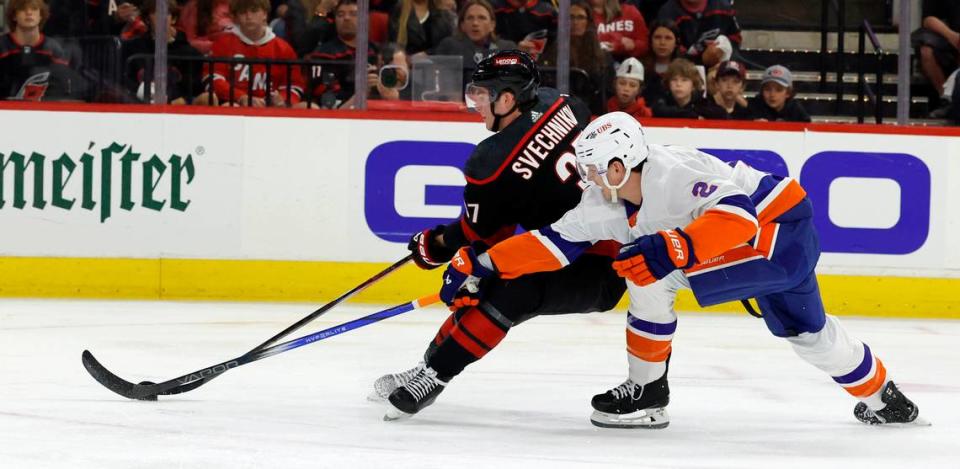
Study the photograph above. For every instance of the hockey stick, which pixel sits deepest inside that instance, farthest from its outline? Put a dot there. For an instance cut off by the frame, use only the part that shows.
(323, 309)
(148, 391)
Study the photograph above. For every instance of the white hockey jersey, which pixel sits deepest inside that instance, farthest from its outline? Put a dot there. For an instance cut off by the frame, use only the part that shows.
(720, 208)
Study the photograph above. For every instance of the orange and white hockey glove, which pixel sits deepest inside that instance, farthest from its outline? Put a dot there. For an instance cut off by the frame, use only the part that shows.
(652, 257)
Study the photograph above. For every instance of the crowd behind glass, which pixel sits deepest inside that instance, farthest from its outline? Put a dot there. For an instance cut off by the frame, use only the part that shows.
(659, 58)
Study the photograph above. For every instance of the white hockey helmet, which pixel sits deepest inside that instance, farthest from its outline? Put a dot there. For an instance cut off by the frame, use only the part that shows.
(616, 135)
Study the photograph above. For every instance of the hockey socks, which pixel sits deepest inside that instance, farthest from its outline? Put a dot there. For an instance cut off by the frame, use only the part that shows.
(473, 334)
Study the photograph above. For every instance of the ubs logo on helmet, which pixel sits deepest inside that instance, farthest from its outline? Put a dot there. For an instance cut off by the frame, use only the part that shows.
(512, 60)
(603, 128)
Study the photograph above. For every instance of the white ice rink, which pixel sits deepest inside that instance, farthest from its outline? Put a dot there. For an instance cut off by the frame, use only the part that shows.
(740, 397)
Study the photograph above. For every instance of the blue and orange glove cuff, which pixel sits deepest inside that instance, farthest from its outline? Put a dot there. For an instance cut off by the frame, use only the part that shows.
(679, 248)
(465, 261)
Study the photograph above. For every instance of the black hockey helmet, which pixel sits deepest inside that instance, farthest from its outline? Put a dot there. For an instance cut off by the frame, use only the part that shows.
(512, 70)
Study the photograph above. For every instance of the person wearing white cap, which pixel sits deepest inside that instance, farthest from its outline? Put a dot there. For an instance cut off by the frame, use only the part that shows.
(628, 87)
(775, 101)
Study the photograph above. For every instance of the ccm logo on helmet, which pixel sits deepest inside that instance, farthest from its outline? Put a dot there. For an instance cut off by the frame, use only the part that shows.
(507, 60)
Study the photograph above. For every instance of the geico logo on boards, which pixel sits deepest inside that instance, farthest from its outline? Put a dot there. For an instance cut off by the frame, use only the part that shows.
(409, 187)
(55, 179)
(822, 169)
(412, 185)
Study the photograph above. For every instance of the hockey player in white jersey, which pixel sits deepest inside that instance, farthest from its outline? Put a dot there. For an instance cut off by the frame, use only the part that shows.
(688, 220)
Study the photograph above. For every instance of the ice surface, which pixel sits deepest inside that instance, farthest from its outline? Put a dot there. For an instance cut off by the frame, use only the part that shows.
(740, 397)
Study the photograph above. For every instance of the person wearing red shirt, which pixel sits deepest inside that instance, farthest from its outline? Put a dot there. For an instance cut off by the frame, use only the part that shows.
(621, 28)
(252, 39)
(629, 86)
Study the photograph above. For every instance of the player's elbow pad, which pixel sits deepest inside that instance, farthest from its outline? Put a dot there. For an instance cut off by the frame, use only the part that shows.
(717, 231)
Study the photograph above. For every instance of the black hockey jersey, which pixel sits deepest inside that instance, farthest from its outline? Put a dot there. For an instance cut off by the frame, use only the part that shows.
(33, 73)
(718, 17)
(524, 175)
(514, 23)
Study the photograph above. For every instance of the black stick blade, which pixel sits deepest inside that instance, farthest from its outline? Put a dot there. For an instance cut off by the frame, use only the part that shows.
(115, 383)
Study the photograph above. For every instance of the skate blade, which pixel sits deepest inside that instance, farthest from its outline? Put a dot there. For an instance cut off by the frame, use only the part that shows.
(917, 422)
(647, 418)
(394, 414)
(921, 422)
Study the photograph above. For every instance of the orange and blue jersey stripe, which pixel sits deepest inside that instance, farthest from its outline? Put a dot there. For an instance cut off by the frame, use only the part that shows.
(649, 341)
(866, 379)
(535, 251)
(729, 223)
(774, 196)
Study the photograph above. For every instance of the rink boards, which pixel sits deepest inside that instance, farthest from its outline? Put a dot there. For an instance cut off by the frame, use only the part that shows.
(122, 203)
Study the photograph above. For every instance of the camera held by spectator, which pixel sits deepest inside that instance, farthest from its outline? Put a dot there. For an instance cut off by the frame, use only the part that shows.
(388, 75)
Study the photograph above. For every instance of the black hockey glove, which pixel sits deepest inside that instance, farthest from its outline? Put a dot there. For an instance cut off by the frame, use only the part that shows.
(428, 254)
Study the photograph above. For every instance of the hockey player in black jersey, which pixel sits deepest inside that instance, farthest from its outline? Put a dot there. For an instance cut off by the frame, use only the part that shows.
(523, 175)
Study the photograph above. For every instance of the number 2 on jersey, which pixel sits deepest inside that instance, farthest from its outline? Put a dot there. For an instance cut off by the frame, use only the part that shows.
(701, 189)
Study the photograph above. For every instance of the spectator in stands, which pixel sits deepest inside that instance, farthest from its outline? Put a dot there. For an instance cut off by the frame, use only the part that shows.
(529, 23)
(307, 23)
(183, 77)
(700, 23)
(203, 21)
(419, 25)
(385, 6)
(628, 87)
(648, 8)
(78, 18)
(32, 66)
(938, 41)
(388, 79)
(252, 39)
(663, 49)
(591, 68)
(133, 23)
(730, 78)
(475, 38)
(449, 5)
(686, 94)
(775, 102)
(621, 29)
(333, 84)
(726, 53)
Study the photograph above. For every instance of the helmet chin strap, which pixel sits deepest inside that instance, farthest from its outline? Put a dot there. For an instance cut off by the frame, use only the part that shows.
(498, 117)
(613, 189)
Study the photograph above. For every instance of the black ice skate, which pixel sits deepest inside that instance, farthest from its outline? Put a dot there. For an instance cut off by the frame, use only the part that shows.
(631, 405)
(385, 384)
(899, 409)
(416, 394)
